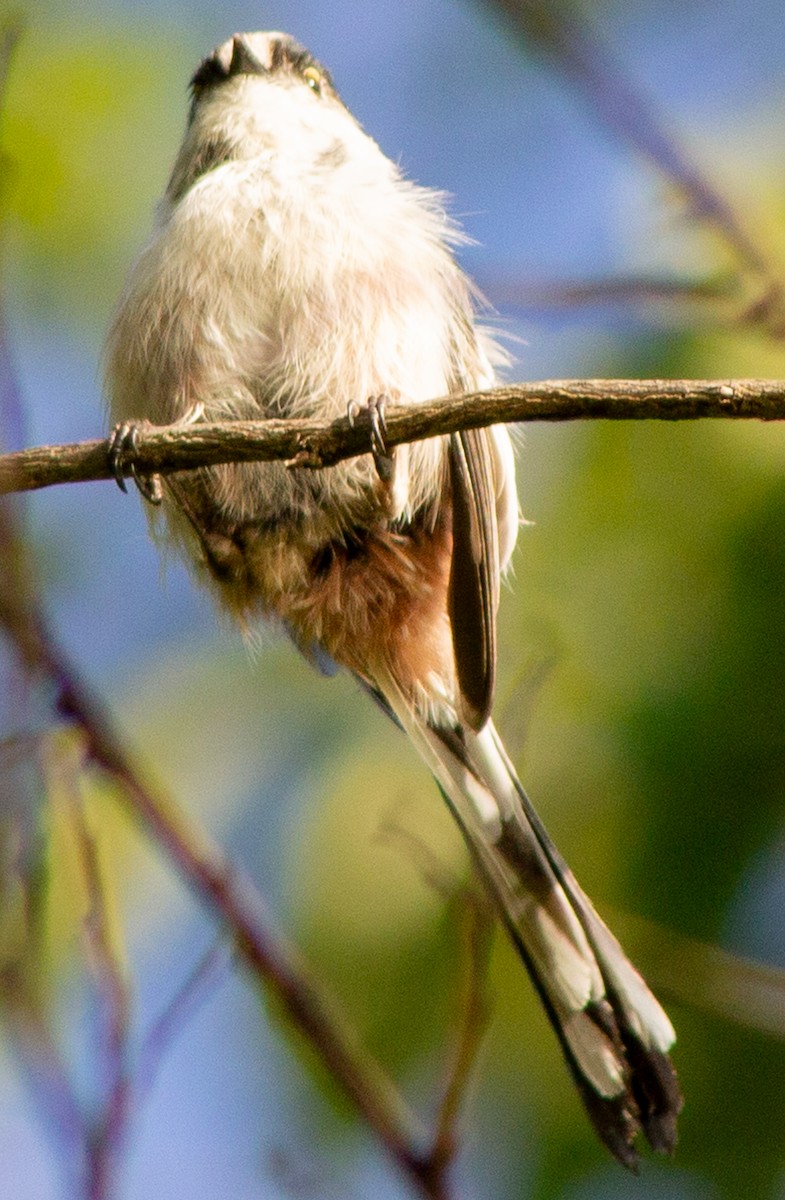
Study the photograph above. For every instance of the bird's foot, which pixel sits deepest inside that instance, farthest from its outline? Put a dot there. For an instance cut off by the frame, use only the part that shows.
(123, 447)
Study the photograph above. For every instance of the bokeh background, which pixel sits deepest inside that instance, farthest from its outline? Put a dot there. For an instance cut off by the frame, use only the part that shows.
(642, 680)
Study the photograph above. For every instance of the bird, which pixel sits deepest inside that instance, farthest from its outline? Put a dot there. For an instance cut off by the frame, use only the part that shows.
(293, 271)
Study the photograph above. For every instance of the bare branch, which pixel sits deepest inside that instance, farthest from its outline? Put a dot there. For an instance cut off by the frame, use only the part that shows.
(240, 909)
(479, 924)
(12, 422)
(106, 965)
(236, 904)
(312, 444)
(474, 1005)
(706, 977)
(107, 1132)
(49, 1084)
(208, 973)
(562, 33)
(716, 294)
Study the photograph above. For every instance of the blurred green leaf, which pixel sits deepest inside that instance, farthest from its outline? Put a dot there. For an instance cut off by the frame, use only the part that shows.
(90, 125)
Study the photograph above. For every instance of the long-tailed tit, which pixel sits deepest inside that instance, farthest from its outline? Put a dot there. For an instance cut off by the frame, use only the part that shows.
(293, 272)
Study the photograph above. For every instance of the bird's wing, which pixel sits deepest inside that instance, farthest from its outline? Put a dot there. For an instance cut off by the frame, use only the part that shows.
(473, 596)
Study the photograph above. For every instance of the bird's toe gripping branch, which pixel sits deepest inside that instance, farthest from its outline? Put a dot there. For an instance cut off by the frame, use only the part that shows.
(374, 411)
(123, 448)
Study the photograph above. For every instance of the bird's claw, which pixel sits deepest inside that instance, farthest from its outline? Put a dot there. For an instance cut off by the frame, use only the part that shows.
(375, 408)
(123, 445)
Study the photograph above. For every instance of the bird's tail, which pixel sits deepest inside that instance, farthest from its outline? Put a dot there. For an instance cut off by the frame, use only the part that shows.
(614, 1034)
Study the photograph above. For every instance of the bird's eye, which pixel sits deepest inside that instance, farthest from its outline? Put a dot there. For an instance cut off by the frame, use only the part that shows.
(313, 78)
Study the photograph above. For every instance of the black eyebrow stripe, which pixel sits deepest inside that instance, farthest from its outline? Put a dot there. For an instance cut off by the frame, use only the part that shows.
(284, 55)
(209, 71)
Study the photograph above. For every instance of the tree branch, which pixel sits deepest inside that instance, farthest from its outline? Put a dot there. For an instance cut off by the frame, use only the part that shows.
(225, 891)
(562, 33)
(312, 444)
(241, 910)
(106, 1132)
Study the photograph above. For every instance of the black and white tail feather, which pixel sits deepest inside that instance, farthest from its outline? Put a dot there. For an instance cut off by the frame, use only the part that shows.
(614, 1034)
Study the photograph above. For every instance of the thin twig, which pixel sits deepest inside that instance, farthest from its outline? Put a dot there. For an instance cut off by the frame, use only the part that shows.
(474, 1007)
(312, 444)
(49, 1084)
(109, 974)
(12, 423)
(672, 296)
(240, 909)
(479, 924)
(566, 36)
(209, 972)
(131, 1083)
(430, 868)
(703, 976)
(109, 1129)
